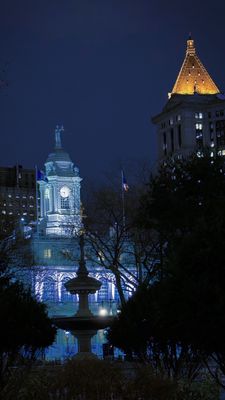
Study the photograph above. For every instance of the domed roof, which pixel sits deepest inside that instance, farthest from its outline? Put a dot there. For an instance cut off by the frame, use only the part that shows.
(58, 155)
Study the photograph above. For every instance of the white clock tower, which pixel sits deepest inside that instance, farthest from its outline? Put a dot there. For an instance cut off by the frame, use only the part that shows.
(60, 207)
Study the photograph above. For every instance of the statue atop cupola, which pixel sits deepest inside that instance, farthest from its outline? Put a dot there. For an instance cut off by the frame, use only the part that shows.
(58, 131)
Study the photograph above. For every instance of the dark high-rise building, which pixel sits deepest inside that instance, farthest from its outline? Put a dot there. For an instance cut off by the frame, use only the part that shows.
(17, 194)
(194, 115)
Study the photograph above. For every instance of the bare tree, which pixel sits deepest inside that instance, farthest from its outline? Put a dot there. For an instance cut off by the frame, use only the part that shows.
(116, 243)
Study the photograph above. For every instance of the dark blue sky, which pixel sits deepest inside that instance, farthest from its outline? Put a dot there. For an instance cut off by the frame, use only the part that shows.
(100, 68)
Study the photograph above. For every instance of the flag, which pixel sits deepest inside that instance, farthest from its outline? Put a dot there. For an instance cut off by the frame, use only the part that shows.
(41, 176)
(125, 186)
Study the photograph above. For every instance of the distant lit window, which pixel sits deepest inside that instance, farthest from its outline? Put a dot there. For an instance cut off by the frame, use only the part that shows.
(25, 213)
(3, 212)
(171, 121)
(198, 127)
(199, 135)
(31, 206)
(9, 195)
(10, 213)
(47, 253)
(198, 115)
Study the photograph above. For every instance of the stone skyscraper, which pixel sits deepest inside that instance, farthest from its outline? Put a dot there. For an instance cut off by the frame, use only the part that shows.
(194, 116)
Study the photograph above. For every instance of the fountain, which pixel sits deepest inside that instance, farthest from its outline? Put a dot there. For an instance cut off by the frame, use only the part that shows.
(84, 324)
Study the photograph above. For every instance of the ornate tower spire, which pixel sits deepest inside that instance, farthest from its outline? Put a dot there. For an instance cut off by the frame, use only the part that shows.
(193, 77)
(58, 130)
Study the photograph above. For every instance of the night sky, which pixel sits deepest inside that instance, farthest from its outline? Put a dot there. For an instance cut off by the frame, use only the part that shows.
(100, 68)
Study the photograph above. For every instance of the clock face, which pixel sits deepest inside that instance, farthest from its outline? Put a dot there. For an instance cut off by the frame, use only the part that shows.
(65, 191)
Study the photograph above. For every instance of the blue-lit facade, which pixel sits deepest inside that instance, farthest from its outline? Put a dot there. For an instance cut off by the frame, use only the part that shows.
(56, 252)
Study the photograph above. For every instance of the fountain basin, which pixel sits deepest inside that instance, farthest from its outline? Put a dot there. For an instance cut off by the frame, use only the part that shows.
(94, 322)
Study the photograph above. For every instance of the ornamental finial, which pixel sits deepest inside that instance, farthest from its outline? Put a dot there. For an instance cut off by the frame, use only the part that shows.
(190, 45)
(58, 131)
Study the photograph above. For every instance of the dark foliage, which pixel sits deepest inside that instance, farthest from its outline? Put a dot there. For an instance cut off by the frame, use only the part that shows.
(179, 319)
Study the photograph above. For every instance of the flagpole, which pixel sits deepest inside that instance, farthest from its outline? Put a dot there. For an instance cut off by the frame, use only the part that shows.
(123, 198)
(37, 220)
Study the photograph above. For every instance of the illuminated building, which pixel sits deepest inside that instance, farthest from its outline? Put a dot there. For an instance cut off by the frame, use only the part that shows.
(17, 194)
(56, 253)
(60, 212)
(194, 115)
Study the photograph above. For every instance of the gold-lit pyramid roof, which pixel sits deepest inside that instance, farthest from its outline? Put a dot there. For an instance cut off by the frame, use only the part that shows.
(193, 77)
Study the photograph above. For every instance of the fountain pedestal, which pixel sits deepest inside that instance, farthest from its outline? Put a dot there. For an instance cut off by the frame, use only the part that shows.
(84, 325)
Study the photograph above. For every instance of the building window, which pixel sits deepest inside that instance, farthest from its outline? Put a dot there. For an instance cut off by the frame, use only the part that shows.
(220, 133)
(47, 253)
(171, 121)
(198, 115)
(199, 135)
(179, 137)
(65, 203)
